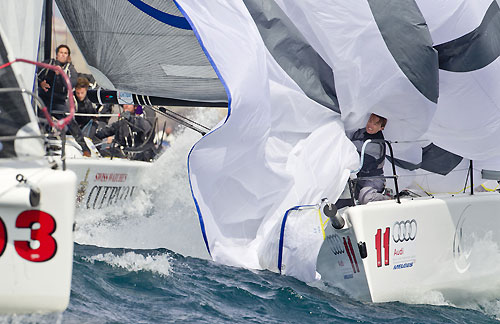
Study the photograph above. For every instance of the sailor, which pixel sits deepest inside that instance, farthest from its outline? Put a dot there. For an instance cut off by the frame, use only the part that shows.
(87, 124)
(367, 190)
(130, 132)
(52, 89)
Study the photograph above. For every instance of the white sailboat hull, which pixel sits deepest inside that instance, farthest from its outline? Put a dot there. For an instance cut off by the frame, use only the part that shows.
(103, 182)
(36, 240)
(447, 244)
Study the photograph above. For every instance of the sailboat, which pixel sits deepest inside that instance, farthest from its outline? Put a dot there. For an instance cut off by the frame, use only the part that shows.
(37, 196)
(297, 76)
(147, 73)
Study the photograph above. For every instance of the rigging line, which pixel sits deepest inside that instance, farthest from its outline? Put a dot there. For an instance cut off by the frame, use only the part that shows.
(180, 121)
(184, 117)
(411, 141)
(427, 193)
(466, 179)
(488, 189)
(14, 137)
(322, 223)
(86, 114)
(431, 194)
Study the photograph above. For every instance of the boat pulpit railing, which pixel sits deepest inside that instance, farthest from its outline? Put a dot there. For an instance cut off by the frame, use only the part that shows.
(61, 124)
(394, 176)
(58, 124)
(40, 104)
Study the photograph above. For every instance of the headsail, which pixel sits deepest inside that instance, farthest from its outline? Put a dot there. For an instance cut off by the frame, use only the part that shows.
(19, 30)
(20, 21)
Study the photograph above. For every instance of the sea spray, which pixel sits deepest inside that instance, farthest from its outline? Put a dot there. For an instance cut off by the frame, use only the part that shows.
(162, 213)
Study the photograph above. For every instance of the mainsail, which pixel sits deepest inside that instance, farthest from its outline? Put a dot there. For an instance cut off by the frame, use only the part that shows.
(143, 48)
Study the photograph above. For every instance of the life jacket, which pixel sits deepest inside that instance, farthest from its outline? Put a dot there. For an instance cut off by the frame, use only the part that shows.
(374, 153)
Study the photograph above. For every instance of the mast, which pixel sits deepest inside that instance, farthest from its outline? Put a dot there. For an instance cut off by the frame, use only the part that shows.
(47, 45)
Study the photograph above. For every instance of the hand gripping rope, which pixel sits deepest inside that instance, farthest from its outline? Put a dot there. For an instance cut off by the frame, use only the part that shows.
(59, 124)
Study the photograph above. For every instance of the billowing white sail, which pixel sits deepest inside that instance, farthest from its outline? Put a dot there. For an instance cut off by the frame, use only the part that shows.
(297, 74)
(467, 122)
(384, 59)
(277, 148)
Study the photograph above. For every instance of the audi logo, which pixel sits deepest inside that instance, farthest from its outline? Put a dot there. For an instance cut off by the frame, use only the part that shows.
(404, 231)
(335, 244)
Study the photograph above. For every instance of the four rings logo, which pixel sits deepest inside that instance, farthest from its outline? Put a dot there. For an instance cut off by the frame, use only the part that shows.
(404, 231)
(335, 244)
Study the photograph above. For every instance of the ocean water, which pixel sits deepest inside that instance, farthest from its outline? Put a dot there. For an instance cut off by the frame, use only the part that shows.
(145, 262)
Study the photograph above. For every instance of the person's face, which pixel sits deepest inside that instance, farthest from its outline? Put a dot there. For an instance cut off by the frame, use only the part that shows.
(62, 55)
(129, 108)
(374, 125)
(81, 93)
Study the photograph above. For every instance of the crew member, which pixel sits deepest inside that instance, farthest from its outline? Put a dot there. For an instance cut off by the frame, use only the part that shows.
(367, 190)
(131, 133)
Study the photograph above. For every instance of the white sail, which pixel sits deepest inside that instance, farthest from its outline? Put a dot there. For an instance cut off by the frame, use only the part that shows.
(375, 70)
(19, 31)
(268, 155)
(20, 21)
(467, 121)
(297, 74)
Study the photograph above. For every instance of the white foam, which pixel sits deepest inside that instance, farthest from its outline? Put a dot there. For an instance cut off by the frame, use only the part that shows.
(131, 261)
(163, 215)
(37, 318)
(432, 297)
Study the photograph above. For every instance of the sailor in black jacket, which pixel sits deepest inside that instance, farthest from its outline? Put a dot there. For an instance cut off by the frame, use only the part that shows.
(52, 88)
(131, 131)
(54, 93)
(371, 189)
